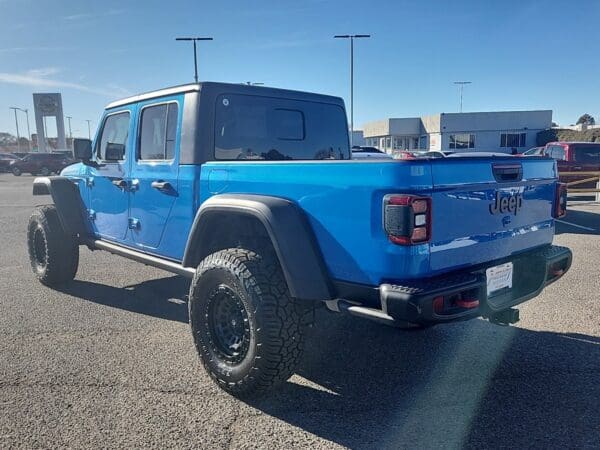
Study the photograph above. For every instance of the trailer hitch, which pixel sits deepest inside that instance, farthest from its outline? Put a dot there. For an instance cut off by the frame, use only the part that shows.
(506, 317)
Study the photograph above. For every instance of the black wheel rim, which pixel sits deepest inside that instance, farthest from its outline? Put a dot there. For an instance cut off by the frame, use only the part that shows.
(229, 326)
(39, 248)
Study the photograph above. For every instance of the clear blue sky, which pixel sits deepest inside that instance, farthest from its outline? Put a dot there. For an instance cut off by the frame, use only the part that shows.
(521, 54)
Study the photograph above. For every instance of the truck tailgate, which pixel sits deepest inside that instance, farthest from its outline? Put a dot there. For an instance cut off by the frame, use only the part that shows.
(483, 209)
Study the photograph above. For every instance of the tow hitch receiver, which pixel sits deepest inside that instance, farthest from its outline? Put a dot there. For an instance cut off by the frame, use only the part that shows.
(506, 317)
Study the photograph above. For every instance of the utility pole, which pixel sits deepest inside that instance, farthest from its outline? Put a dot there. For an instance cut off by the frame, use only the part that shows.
(462, 85)
(351, 37)
(194, 40)
(89, 132)
(26, 111)
(70, 133)
(17, 125)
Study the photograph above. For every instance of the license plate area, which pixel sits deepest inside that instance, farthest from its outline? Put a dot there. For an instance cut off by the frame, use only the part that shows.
(499, 279)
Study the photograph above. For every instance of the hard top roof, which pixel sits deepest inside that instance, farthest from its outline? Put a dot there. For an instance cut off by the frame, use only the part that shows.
(230, 88)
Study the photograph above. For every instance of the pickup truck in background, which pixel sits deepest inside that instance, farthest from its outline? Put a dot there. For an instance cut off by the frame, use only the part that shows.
(575, 157)
(252, 193)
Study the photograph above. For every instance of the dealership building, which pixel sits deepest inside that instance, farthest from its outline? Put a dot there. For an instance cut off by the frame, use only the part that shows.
(500, 131)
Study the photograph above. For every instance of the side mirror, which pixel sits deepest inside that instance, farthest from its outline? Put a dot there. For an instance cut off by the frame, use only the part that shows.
(82, 149)
(114, 152)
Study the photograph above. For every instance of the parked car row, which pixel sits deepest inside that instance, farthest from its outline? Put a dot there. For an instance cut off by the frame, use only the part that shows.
(35, 163)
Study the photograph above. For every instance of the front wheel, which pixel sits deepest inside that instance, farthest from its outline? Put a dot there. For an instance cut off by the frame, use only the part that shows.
(54, 254)
(247, 329)
(16, 171)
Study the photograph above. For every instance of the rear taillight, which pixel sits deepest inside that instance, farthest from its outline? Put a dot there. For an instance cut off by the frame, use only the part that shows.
(407, 218)
(560, 201)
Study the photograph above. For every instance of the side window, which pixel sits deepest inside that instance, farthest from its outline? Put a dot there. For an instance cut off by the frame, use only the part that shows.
(158, 132)
(114, 134)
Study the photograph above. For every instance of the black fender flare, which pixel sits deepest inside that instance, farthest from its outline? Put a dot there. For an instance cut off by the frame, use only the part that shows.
(290, 233)
(67, 199)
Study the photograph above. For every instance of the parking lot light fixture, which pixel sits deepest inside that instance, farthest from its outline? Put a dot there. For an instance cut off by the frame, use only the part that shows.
(194, 40)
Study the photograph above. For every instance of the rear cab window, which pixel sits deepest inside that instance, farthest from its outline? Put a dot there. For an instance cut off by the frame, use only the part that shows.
(249, 127)
(587, 154)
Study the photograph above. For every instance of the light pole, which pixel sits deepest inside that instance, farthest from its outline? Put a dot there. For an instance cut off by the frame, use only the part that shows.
(17, 125)
(462, 85)
(70, 133)
(194, 39)
(351, 37)
(26, 111)
(89, 132)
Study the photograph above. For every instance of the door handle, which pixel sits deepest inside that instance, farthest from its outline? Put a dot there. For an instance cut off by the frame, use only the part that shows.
(162, 185)
(120, 183)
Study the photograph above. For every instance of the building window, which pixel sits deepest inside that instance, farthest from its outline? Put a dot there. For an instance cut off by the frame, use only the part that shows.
(513, 139)
(397, 143)
(460, 141)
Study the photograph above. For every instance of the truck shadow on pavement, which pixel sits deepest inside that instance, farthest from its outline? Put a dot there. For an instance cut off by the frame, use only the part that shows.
(579, 222)
(165, 298)
(364, 385)
(470, 384)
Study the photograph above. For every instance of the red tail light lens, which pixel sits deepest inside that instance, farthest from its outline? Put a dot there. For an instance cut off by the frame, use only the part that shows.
(407, 218)
(560, 201)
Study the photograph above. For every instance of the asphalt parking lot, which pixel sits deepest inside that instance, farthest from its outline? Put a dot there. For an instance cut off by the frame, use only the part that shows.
(108, 361)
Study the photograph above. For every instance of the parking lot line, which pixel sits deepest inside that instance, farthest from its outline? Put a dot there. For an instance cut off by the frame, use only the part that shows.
(575, 225)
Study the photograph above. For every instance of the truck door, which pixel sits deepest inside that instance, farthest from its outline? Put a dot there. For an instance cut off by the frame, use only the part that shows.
(108, 186)
(154, 171)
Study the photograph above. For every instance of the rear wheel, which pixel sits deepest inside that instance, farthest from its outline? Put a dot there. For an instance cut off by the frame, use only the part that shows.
(53, 254)
(247, 329)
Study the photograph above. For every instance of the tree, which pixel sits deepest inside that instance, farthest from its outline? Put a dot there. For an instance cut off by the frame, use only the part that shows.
(586, 119)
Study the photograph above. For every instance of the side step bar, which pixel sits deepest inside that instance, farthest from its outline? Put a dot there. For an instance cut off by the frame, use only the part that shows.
(154, 261)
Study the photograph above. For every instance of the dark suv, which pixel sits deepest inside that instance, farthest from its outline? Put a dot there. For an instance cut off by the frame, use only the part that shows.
(41, 163)
(5, 160)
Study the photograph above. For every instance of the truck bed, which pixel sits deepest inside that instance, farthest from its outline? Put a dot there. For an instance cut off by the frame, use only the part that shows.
(343, 201)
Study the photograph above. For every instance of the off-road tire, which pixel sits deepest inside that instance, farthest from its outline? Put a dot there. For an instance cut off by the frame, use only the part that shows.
(53, 254)
(274, 322)
(16, 171)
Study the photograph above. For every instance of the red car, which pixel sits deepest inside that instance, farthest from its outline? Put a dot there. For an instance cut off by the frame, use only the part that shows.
(575, 157)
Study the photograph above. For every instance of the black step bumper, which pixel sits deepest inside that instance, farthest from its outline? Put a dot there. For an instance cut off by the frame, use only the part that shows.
(463, 295)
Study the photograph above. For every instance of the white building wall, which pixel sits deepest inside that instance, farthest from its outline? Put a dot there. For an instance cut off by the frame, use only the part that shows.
(486, 126)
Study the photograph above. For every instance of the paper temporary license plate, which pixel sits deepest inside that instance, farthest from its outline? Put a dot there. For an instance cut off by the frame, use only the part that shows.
(499, 277)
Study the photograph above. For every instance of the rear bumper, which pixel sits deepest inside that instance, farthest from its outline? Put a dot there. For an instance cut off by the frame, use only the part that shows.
(463, 295)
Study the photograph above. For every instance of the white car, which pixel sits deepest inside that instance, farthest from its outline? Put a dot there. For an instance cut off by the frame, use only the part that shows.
(369, 153)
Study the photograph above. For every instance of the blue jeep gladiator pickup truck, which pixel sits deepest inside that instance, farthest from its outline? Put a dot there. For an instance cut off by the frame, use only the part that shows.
(251, 192)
